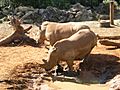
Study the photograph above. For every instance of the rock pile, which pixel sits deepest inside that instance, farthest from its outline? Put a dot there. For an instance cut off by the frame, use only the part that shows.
(30, 15)
(76, 13)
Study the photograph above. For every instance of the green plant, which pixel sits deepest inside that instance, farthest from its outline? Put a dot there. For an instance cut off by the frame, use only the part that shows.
(108, 1)
(4, 3)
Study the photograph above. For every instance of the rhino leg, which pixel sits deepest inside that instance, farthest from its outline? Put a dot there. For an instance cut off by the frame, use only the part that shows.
(52, 40)
(87, 55)
(70, 64)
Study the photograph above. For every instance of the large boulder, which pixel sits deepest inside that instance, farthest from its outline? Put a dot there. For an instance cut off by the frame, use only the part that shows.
(76, 13)
(81, 13)
(30, 15)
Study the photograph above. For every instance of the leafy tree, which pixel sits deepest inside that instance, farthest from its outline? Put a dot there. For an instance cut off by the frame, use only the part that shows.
(62, 4)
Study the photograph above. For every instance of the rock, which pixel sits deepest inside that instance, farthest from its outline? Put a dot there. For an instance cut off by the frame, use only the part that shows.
(115, 83)
(103, 8)
(1, 15)
(1, 21)
(103, 17)
(30, 15)
(76, 13)
(19, 14)
(23, 9)
(81, 13)
(28, 21)
(104, 23)
(77, 7)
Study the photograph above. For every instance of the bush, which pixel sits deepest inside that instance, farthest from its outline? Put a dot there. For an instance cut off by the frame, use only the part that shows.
(61, 4)
(4, 3)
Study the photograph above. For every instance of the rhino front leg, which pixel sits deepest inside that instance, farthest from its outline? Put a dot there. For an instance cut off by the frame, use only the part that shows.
(71, 72)
(70, 64)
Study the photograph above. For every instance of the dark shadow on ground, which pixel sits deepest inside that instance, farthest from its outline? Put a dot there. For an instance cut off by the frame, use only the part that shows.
(98, 68)
(110, 43)
(103, 66)
(22, 42)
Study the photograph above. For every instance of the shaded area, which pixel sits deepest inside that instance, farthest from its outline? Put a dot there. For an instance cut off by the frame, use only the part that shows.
(26, 76)
(98, 68)
(22, 41)
(103, 66)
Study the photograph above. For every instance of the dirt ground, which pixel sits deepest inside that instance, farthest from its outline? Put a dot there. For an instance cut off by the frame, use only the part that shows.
(100, 57)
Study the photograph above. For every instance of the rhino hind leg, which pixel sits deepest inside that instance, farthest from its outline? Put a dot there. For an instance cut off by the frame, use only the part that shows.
(87, 55)
(71, 72)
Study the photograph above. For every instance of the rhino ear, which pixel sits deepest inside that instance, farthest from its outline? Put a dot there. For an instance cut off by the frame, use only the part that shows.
(53, 49)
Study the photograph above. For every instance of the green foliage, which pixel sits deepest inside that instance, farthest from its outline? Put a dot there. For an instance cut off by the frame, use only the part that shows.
(42, 3)
(4, 3)
(107, 2)
(62, 4)
(86, 2)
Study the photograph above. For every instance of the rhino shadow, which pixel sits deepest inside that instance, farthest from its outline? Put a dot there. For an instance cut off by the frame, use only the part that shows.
(97, 69)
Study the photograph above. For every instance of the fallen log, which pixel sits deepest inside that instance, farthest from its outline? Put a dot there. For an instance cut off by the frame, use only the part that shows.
(109, 43)
(18, 32)
(7, 39)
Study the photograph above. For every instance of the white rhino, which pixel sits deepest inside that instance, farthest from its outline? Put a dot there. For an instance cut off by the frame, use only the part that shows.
(76, 47)
(52, 31)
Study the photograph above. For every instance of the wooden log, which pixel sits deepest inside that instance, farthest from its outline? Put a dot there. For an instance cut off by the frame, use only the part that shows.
(109, 43)
(112, 12)
(17, 34)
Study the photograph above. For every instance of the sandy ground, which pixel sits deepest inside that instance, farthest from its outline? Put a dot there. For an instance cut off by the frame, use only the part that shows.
(13, 56)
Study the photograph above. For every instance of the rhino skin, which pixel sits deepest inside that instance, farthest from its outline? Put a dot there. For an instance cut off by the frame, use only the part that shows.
(53, 31)
(76, 47)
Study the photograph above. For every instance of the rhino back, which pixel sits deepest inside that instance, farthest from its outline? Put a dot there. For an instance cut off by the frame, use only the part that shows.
(76, 46)
(58, 31)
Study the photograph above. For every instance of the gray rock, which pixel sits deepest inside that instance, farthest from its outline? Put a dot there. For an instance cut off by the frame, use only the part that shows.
(76, 13)
(115, 83)
(24, 9)
(81, 13)
(77, 7)
(1, 14)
